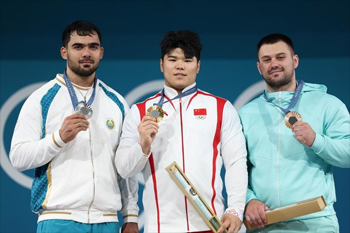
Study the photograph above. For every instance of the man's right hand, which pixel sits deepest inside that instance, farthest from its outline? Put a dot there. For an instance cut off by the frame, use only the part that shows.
(148, 128)
(72, 125)
(255, 213)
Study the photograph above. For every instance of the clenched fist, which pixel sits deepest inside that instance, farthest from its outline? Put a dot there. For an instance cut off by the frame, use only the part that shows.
(72, 125)
(148, 128)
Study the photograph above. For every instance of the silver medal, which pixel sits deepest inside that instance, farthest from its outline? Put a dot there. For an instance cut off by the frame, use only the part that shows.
(84, 109)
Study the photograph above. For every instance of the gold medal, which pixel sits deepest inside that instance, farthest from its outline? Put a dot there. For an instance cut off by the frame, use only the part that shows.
(156, 112)
(291, 118)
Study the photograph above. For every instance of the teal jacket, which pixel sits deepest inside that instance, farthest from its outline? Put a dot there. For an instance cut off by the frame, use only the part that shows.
(282, 170)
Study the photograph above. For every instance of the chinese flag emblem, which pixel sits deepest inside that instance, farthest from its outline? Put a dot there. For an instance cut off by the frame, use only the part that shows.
(200, 113)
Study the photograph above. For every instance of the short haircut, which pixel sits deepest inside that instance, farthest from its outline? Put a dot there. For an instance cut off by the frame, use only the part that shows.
(83, 28)
(274, 38)
(186, 40)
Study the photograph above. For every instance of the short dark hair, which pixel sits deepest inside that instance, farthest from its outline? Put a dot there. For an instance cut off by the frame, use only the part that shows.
(83, 28)
(186, 40)
(274, 38)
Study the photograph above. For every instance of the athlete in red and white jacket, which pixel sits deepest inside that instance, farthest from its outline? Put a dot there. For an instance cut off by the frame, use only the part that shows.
(199, 131)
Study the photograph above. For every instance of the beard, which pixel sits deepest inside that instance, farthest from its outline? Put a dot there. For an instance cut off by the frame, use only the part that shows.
(84, 71)
(276, 82)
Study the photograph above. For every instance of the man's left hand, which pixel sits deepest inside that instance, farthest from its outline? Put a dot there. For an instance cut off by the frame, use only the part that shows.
(304, 133)
(130, 227)
(230, 223)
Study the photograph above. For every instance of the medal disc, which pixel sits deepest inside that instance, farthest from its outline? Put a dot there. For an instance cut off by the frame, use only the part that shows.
(82, 108)
(156, 112)
(291, 118)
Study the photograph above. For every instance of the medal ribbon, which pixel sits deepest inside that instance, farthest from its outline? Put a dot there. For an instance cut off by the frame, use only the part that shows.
(294, 100)
(72, 94)
(183, 94)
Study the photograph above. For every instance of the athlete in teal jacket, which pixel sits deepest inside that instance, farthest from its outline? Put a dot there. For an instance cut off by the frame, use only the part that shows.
(288, 165)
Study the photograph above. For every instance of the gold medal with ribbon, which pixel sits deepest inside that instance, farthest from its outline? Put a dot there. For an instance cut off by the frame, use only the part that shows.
(156, 110)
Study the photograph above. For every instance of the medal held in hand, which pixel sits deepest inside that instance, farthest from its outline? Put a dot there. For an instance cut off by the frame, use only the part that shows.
(84, 109)
(156, 112)
(291, 118)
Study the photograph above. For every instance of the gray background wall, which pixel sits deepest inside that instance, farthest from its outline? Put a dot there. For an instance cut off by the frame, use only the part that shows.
(131, 31)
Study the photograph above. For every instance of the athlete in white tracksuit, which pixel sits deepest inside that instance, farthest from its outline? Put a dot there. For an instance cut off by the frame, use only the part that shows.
(201, 132)
(73, 181)
(68, 131)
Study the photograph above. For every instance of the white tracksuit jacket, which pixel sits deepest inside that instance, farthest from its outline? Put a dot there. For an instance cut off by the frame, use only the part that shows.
(201, 132)
(78, 180)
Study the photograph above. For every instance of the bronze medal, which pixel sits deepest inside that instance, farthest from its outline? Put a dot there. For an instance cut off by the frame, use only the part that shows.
(291, 118)
(84, 109)
(156, 112)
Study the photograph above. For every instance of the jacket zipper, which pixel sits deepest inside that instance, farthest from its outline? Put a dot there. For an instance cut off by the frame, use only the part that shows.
(93, 177)
(183, 159)
(278, 153)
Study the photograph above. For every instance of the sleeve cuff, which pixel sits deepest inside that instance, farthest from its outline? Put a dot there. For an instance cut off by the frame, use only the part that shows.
(234, 212)
(57, 140)
(318, 144)
(145, 156)
(131, 218)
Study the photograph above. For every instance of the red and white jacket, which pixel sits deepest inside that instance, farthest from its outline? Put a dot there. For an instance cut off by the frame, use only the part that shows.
(201, 132)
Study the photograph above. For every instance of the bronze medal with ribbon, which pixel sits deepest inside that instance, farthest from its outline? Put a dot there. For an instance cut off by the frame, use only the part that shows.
(290, 117)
